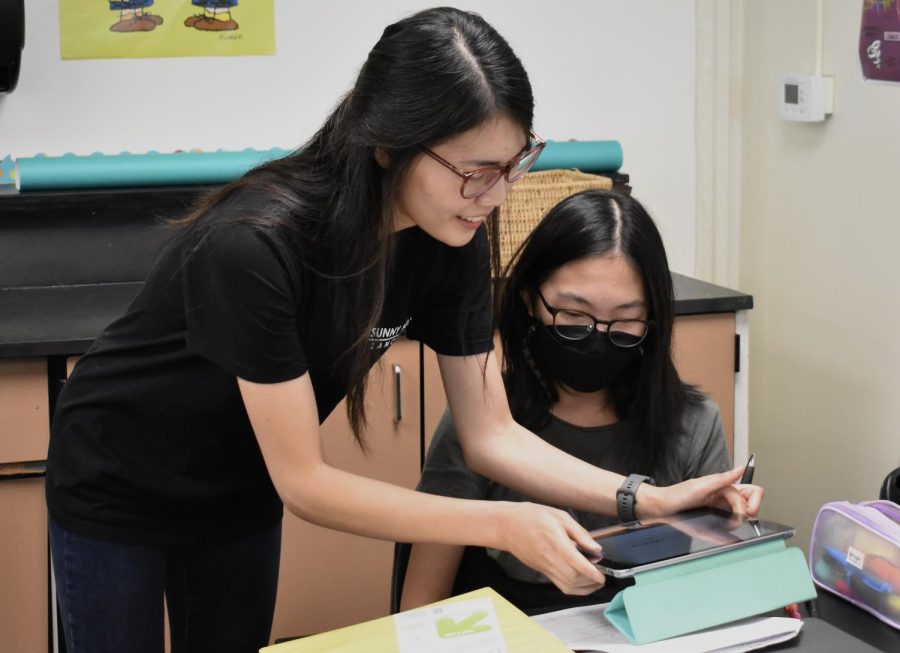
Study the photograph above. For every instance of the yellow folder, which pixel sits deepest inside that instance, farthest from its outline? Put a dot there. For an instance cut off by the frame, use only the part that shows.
(520, 633)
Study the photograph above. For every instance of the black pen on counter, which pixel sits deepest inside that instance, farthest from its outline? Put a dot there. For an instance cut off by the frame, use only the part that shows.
(747, 476)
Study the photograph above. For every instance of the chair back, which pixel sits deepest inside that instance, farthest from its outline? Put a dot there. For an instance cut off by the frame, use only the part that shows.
(890, 488)
(529, 199)
(398, 574)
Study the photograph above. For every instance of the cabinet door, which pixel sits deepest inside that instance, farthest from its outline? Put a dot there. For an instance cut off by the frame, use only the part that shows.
(331, 579)
(704, 355)
(24, 435)
(23, 566)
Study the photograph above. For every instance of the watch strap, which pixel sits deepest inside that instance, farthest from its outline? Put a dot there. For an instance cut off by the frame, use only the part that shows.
(625, 496)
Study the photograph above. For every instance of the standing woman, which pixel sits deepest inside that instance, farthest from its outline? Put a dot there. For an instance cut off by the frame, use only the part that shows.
(195, 417)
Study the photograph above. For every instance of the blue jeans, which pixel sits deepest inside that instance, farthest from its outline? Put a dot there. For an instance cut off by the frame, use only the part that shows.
(220, 595)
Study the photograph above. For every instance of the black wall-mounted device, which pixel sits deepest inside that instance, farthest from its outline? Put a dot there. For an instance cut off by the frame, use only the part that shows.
(12, 41)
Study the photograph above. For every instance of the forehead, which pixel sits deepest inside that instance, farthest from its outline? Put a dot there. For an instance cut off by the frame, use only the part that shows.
(607, 280)
(495, 141)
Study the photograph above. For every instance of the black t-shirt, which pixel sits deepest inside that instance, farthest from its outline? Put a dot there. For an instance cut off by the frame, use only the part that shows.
(151, 442)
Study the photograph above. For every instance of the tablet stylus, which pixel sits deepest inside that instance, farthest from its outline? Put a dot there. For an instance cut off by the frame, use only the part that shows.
(747, 476)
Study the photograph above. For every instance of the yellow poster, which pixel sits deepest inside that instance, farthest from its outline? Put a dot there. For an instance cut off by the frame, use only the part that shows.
(114, 29)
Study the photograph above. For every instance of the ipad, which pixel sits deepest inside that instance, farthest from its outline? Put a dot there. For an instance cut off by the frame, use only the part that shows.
(657, 542)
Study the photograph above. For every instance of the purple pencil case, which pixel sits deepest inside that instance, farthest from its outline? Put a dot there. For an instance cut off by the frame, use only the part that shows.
(855, 553)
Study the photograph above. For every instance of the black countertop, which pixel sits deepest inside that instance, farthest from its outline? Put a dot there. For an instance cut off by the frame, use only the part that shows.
(61, 320)
(64, 320)
(693, 296)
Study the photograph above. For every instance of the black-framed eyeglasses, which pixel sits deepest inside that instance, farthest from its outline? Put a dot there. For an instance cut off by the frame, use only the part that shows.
(477, 182)
(578, 325)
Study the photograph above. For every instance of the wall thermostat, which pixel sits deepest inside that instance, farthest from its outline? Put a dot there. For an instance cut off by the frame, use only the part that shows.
(805, 98)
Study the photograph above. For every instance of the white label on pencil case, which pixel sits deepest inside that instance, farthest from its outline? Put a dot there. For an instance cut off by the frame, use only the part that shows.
(855, 557)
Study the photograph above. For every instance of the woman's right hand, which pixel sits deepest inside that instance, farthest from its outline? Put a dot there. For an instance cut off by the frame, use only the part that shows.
(552, 542)
(715, 490)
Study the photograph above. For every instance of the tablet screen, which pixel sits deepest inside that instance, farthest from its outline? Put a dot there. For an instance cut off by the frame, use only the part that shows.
(694, 532)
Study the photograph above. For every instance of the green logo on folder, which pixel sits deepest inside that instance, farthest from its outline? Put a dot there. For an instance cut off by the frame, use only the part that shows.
(446, 627)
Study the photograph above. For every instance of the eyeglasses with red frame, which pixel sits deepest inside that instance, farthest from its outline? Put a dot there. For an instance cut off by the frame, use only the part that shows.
(479, 181)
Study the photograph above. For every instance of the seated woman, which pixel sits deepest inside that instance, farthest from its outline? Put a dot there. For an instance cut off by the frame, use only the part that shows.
(585, 320)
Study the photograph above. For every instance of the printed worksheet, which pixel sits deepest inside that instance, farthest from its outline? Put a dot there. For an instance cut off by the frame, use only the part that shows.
(470, 626)
(586, 629)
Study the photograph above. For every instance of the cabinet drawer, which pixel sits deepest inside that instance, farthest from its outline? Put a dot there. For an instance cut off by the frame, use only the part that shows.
(24, 410)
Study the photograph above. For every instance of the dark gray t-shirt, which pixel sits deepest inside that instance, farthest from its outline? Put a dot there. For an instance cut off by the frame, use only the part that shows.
(699, 450)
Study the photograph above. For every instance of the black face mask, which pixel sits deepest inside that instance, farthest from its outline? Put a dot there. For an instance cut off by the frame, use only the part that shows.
(586, 365)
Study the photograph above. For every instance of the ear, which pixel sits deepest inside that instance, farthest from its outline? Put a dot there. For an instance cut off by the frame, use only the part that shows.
(529, 301)
(382, 157)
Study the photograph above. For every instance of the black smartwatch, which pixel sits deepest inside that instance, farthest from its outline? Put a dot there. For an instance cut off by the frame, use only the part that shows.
(625, 496)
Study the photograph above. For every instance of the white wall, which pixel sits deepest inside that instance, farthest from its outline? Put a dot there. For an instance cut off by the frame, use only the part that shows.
(608, 69)
(819, 252)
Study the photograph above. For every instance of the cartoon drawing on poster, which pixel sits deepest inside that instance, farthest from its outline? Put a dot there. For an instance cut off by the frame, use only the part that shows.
(879, 40)
(133, 16)
(101, 29)
(216, 16)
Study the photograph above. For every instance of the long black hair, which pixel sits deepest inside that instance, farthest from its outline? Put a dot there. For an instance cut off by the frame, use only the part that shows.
(431, 76)
(650, 392)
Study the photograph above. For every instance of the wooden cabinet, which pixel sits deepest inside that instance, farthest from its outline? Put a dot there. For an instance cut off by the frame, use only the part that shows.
(24, 436)
(331, 579)
(704, 352)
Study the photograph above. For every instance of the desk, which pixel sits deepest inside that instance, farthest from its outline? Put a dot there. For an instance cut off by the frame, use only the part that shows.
(858, 623)
(839, 627)
(853, 631)
(820, 636)
(835, 626)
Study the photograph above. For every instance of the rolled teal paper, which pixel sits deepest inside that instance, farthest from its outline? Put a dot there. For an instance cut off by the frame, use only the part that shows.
(151, 169)
(587, 156)
(184, 168)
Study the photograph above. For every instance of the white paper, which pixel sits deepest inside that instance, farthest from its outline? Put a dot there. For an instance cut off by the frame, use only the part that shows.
(470, 626)
(586, 629)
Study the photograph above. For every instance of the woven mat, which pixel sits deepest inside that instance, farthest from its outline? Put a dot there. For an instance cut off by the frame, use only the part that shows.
(529, 199)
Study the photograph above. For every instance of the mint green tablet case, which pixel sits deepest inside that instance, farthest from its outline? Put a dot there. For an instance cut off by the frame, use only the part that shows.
(697, 594)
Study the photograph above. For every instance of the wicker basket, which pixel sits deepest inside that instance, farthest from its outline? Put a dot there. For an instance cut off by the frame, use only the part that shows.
(531, 197)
